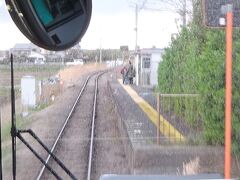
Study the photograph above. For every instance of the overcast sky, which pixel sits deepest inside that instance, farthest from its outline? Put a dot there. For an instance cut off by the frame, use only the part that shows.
(111, 26)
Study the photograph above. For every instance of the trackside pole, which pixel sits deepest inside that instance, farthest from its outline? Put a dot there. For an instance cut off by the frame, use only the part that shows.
(228, 93)
(13, 128)
(1, 170)
(158, 120)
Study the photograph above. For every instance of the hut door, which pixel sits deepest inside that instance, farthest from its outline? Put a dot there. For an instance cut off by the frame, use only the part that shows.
(146, 64)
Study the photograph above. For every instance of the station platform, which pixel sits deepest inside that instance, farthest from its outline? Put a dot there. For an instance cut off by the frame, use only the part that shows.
(137, 106)
(138, 120)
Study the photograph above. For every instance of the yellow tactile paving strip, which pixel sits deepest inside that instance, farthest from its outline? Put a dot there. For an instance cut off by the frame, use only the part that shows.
(165, 127)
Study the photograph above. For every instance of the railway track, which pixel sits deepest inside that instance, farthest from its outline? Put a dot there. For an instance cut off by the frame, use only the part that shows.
(74, 144)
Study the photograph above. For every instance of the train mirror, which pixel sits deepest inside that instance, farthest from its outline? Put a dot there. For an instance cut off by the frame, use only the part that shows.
(51, 24)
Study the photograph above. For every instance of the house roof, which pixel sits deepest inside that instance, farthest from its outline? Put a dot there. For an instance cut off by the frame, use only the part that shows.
(3, 53)
(24, 46)
(36, 55)
(152, 51)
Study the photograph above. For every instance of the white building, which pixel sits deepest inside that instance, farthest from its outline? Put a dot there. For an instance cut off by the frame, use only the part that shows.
(36, 58)
(146, 66)
(3, 55)
(24, 49)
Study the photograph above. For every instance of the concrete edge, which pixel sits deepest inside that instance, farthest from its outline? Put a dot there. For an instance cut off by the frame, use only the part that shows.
(171, 153)
(128, 147)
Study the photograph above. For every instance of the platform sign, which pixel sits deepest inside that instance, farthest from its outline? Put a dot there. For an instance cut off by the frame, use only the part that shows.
(213, 12)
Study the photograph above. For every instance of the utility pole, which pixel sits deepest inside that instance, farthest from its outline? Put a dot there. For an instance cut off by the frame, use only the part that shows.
(136, 27)
(100, 52)
(180, 8)
(184, 15)
(1, 170)
(138, 7)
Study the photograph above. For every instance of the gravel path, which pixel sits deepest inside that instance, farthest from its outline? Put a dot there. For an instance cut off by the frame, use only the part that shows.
(109, 157)
(46, 124)
(73, 146)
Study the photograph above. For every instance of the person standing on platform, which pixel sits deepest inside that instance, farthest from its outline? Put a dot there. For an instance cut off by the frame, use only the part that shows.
(124, 74)
(130, 72)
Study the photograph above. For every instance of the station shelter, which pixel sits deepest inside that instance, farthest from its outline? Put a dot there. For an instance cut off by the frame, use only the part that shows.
(146, 66)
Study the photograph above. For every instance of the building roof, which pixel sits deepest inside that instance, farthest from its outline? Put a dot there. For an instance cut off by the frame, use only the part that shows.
(24, 46)
(3, 53)
(36, 55)
(77, 46)
(151, 51)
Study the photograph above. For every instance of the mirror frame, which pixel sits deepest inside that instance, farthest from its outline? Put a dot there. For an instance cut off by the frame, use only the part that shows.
(27, 29)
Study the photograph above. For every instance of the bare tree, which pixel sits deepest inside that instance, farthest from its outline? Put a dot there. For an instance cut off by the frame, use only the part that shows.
(181, 7)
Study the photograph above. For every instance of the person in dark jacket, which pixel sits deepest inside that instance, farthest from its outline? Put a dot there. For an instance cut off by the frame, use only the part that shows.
(130, 73)
(124, 74)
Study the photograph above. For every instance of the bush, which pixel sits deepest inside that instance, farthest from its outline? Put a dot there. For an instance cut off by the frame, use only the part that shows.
(195, 63)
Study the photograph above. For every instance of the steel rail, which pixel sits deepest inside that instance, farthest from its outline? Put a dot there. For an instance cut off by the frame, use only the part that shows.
(91, 148)
(64, 125)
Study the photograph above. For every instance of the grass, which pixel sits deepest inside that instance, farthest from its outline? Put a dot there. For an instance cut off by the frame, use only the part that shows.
(21, 123)
(4, 91)
(6, 127)
(39, 107)
(32, 68)
(6, 135)
(20, 70)
(6, 139)
(40, 72)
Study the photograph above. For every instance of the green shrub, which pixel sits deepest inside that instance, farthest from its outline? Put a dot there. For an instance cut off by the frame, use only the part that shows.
(195, 63)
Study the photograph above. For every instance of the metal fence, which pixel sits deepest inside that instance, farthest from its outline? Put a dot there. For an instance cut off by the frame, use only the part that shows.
(179, 118)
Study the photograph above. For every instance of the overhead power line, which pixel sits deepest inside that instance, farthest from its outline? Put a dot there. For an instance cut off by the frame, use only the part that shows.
(181, 7)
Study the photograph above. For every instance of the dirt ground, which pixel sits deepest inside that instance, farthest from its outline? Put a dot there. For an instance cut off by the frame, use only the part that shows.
(109, 157)
(45, 123)
(73, 149)
(69, 76)
(40, 72)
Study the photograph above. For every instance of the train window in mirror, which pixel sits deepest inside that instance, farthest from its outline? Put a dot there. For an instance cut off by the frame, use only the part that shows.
(52, 12)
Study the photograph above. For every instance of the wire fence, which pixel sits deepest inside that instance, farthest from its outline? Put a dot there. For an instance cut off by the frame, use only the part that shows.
(179, 118)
